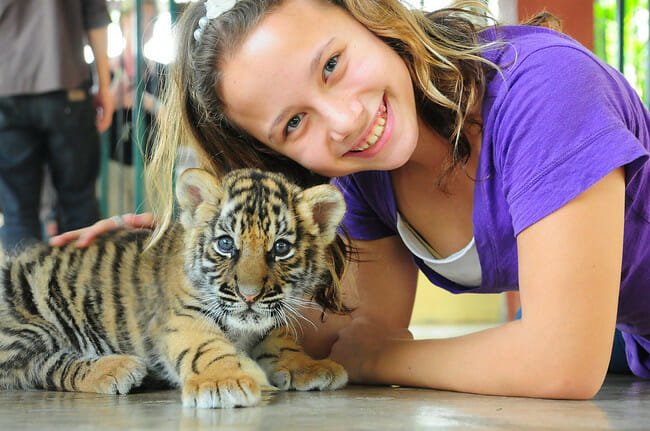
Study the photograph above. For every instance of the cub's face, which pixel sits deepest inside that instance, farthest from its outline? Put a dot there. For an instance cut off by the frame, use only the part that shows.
(257, 244)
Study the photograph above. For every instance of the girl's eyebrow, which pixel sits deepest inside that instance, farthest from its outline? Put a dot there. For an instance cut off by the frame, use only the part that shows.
(277, 121)
(315, 62)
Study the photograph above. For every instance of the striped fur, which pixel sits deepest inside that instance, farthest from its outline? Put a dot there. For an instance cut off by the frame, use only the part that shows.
(209, 308)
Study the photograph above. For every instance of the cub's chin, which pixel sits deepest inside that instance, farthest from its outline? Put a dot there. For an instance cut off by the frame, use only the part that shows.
(250, 320)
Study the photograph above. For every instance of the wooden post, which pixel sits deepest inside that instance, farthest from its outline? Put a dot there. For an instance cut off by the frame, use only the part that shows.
(577, 16)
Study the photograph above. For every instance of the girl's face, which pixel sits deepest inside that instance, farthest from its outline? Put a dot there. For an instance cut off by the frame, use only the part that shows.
(315, 85)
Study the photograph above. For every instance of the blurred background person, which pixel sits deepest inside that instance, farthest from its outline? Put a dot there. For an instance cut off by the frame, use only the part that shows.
(125, 87)
(49, 113)
(124, 82)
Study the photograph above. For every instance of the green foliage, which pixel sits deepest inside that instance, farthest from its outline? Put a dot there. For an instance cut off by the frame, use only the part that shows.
(636, 26)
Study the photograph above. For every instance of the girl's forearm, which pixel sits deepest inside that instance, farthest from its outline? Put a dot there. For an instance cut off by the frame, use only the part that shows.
(497, 361)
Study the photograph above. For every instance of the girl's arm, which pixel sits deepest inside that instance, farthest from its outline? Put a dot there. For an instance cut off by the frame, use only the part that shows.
(385, 296)
(569, 273)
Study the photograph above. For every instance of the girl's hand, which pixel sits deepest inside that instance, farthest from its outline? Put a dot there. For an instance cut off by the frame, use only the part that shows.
(85, 236)
(360, 344)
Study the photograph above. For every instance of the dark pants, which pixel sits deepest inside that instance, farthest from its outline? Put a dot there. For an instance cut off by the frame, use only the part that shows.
(57, 129)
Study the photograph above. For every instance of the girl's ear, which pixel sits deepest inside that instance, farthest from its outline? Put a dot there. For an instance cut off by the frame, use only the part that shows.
(325, 206)
(194, 187)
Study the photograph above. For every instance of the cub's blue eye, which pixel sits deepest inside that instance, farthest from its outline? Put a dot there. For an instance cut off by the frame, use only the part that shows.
(282, 248)
(225, 245)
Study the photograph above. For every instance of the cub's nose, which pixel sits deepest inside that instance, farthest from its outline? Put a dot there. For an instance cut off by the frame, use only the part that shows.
(249, 294)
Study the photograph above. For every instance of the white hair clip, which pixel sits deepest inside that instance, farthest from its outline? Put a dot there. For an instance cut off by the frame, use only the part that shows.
(213, 8)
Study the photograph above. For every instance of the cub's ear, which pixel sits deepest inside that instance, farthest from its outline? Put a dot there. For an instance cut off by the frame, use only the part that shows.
(325, 205)
(193, 188)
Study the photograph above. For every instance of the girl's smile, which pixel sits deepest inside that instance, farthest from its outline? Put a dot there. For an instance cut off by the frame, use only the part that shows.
(340, 101)
(380, 131)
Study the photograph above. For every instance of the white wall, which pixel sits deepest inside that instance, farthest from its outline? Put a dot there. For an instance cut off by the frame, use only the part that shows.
(508, 13)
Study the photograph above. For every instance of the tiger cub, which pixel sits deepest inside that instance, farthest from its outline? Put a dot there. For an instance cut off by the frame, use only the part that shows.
(209, 308)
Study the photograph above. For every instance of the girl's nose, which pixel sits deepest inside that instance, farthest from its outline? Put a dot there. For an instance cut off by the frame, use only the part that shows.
(345, 119)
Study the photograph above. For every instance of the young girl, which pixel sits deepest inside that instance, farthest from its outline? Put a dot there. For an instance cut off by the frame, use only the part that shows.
(490, 158)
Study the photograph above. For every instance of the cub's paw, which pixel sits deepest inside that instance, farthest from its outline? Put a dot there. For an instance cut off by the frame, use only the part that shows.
(308, 374)
(114, 374)
(227, 392)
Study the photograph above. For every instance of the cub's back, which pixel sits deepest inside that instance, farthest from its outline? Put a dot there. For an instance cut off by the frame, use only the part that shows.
(104, 278)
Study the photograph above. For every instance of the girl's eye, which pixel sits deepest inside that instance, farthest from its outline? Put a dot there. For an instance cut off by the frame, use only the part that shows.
(330, 66)
(293, 124)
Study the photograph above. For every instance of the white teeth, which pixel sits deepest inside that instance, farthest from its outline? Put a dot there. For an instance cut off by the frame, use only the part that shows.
(375, 133)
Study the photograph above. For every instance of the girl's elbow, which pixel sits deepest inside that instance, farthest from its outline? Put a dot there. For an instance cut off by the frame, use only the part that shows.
(574, 383)
(576, 372)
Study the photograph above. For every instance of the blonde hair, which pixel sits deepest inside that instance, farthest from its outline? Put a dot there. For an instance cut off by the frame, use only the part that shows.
(442, 51)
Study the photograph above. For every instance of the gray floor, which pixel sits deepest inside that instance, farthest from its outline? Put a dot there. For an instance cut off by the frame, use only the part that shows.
(622, 404)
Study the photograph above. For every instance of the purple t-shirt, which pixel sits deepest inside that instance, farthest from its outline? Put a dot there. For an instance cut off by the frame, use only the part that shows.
(555, 121)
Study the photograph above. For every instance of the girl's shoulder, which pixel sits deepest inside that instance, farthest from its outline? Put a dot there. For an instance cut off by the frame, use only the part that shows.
(509, 46)
(537, 63)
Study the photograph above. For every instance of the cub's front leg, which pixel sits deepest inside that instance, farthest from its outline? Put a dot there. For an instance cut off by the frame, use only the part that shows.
(208, 365)
(288, 367)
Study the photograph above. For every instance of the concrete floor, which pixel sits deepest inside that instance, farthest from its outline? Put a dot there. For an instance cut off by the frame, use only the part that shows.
(622, 404)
